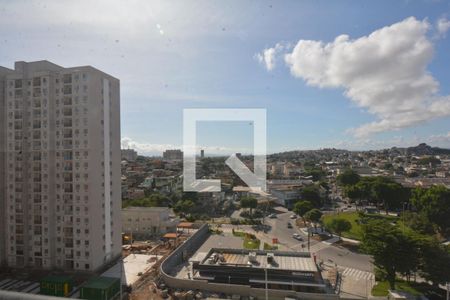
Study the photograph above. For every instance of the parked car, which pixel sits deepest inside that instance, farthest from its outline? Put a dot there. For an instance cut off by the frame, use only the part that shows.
(273, 216)
(294, 216)
(289, 225)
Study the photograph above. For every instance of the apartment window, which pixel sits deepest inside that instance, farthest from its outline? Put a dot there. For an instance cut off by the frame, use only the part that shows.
(18, 83)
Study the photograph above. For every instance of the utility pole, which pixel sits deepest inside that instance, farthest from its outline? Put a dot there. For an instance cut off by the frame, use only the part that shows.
(448, 291)
(267, 291)
(308, 238)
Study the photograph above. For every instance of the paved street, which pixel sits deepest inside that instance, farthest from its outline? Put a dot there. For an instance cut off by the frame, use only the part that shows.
(329, 253)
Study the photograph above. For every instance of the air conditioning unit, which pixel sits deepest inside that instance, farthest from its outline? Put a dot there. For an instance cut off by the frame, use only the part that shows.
(270, 258)
(252, 257)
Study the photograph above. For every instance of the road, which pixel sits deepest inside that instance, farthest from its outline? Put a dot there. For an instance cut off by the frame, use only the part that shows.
(328, 253)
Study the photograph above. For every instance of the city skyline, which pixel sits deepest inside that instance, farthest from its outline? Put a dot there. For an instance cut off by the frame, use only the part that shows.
(225, 55)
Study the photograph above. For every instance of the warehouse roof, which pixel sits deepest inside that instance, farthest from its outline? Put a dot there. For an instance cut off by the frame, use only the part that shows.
(292, 261)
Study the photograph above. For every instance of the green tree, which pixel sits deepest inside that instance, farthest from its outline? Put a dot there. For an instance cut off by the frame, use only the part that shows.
(313, 215)
(338, 225)
(388, 193)
(311, 193)
(392, 251)
(184, 206)
(434, 204)
(435, 263)
(301, 208)
(249, 202)
(348, 177)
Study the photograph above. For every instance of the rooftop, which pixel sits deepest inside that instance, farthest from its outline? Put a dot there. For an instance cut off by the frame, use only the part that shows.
(292, 261)
(131, 266)
(100, 282)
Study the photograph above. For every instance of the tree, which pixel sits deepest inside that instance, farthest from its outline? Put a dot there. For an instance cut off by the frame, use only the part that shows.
(392, 250)
(311, 193)
(249, 202)
(435, 263)
(184, 206)
(301, 208)
(434, 204)
(338, 225)
(313, 215)
(348, 177)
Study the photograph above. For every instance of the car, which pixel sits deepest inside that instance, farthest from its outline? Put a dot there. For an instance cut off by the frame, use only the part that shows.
(294, 216)
(289, 225)
(297, 236)
(273, 216)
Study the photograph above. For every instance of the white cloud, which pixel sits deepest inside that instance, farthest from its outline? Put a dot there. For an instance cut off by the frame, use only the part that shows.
(269, 56)
(442, 25)
(157, 149)
(384, 72)
(438, 140)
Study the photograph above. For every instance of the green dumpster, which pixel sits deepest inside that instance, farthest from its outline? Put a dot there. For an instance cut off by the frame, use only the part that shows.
(100, 288)
(54, 285)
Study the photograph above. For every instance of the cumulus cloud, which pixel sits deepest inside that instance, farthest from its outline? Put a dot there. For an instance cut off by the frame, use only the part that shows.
(442, 26)
(269, 56)
(384, 73)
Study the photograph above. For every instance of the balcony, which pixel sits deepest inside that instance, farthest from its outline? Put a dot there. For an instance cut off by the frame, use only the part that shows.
(36, 114)
(67, 112)
(67, 123)
(37, 81)
(68, 177)
(67, 90)
(67, 101)
(37, 92)
(67, 78)
(68, 188)
(67, 145)
(18, 83)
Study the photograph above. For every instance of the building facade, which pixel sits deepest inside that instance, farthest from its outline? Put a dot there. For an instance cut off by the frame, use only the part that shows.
(145, 222)
(62, 167)
(3, 73)
(129, 155)
(173, 154)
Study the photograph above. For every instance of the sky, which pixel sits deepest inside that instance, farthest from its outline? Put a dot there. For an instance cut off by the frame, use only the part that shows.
(346, 74)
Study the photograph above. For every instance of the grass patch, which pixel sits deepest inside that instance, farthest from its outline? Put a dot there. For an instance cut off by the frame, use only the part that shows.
(250, 241)
(239, 233)
(353, 217)
(414, 288)
(270, 247)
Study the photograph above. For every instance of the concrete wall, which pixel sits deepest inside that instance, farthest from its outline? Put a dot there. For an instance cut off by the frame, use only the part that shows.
(22, 296)
(182, 253)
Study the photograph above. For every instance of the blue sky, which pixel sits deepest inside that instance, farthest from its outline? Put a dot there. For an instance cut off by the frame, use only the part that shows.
(171, 55)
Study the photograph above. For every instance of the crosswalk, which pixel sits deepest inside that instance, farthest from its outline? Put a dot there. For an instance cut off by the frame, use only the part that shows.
(358, 274)
(318, 246)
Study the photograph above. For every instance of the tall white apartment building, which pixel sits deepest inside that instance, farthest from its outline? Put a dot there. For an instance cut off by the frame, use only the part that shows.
(61, 175)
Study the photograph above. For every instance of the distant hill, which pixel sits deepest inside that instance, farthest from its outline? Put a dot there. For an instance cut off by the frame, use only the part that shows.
(424, 149)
